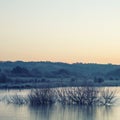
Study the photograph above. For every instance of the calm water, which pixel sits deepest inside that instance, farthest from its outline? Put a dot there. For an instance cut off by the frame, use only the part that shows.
(55, 112)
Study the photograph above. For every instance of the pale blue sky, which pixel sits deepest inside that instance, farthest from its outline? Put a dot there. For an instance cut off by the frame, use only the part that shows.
(60, 30)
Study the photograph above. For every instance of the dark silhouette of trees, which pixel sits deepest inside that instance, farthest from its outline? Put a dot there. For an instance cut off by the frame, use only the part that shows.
(114, 73)
(20, 71)
(62, 73)
(98, 80)
(3, 78)
(36, 72)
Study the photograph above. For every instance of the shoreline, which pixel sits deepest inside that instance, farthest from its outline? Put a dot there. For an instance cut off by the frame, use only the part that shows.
(29, 86)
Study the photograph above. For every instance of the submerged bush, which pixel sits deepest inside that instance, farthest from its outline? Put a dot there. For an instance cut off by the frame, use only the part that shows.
(77, 95)
(87, 96)
(62, 96)
(107, 96)
(41, 96)
(17, 99)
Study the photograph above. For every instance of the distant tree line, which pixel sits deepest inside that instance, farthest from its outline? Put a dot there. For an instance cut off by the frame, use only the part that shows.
(3, 78)
(97, 73)
(24, 72)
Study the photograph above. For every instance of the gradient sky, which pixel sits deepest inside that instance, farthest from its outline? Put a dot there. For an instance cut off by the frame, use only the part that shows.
(60, 30)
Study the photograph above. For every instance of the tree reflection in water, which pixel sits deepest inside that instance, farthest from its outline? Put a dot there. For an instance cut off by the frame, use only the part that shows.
(70, 112)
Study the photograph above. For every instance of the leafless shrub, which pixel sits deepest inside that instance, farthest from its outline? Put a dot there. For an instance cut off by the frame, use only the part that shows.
(17, 99)
(41, 96)
(86, 96)
(83, 95)
(90, 95)
(107, 96)
(76, 95)
(62, 95)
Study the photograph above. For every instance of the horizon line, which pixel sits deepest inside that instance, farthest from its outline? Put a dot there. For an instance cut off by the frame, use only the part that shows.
(81, 62)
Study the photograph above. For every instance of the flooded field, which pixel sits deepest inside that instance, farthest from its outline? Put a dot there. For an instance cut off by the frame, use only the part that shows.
(56, 111)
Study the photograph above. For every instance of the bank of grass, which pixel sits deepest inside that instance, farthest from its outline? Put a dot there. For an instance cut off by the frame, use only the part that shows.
(31, 82)
(88, 96)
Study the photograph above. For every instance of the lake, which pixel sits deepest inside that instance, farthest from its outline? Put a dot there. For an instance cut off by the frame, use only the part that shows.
(56, 111)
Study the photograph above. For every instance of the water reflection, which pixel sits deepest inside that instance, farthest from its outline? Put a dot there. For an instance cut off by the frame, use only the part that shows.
(43, 112)
(56, 111)
(13, 112)
(71, 112)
